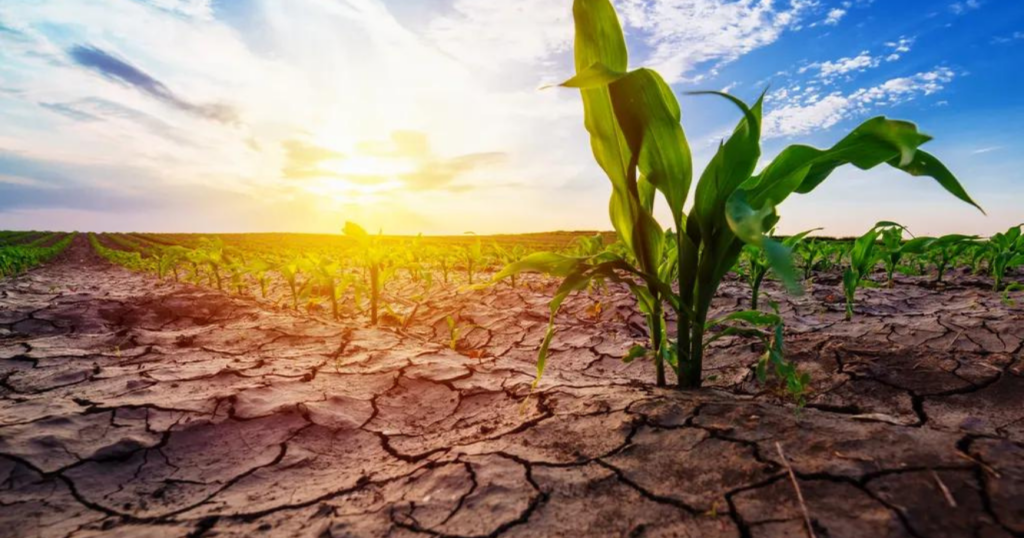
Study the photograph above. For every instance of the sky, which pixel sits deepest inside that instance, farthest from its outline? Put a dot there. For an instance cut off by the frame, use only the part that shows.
(429, 116)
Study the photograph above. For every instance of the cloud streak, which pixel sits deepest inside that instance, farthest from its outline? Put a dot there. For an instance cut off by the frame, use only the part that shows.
(121, 71)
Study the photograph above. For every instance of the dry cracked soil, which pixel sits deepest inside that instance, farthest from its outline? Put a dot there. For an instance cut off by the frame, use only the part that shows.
(132, 407)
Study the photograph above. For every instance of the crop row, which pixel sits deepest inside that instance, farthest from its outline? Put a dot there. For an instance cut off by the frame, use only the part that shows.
(16, 258)
(372, 274)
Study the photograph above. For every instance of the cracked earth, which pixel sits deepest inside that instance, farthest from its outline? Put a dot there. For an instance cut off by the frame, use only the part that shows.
(132, 407)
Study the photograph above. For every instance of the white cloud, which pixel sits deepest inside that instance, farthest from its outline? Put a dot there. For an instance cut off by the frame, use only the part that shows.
(1002, 40)
(989, 149)
(487, 34)
(797, 111)
(684, 34)
(834, 16)
(898, 48)
(959, 8)
(830, 70)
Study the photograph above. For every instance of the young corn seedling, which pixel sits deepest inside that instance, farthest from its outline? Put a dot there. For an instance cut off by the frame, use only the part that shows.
(633, 120)
(444, 261)
(506, 256)
(374, 258)
(324, 277)
(210, 252)
(810, 254)
(454, 332)
(170, 258)
(768, 328)
(863, 257)
(1005, 251)
(947, 248)
(585, 246)
(895, 248)
(472, 258)
(758, 265)
(289, 271)
(260, 270)
(977, 253)
(238, 272)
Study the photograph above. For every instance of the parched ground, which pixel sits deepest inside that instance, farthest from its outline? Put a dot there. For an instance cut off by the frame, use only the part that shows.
(130, 407)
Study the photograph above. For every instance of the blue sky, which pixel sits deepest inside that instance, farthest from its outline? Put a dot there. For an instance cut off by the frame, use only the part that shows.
(425, 115)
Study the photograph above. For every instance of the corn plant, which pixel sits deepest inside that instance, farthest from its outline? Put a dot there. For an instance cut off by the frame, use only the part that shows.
(444, 260)
(947, 248)
(1005, 250)
(810, 254)
(130, 260)
(585, 246)
(15, 259)
(472, 258)
(863, 257)
(509, 255)
(758, 266)
(374, 257)
(895, 248)
(210, 253)
(238, 272)
(454, 332)
(260, 270)
(768, 328)
(634, 123)
(324, 275)
(290, 271)
(169, 259)
(976, 254)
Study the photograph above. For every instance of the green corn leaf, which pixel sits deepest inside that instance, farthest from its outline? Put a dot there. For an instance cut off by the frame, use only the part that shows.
(599, 40)
(753, 317)
(793, 240)
(647, 237)
(356, 232)
(729, 168)
(750, 226)
(917, 245)
(648, 115)
(549, 263)
(879, 140)
(926, 164)
(574, 282)
(596, 75)
(634, 353)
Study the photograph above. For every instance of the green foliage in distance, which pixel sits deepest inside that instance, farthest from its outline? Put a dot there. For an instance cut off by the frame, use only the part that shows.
(1005, 250)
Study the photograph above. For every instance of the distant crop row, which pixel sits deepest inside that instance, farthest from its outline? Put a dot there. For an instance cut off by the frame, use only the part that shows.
(356, 269)
(16, 258)
(375, 276)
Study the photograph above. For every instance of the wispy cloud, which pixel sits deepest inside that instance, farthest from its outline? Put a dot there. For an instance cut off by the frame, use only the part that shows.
(200, 9)
(118, 70)
(834, 16)
(959, 8)
(988, 149)
(1004, 39)
(304, 159)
